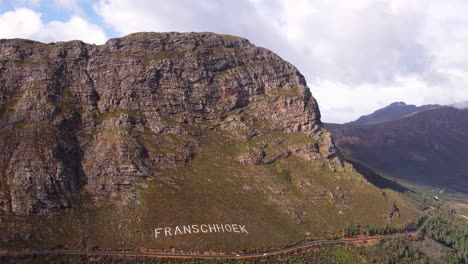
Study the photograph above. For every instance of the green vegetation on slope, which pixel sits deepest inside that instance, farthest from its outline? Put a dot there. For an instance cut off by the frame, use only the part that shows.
(452, 232)
(442, 239)
(280, 203)
(393, 252)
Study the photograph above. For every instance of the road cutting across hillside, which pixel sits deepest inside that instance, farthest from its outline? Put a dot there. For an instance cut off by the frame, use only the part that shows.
(205, 256)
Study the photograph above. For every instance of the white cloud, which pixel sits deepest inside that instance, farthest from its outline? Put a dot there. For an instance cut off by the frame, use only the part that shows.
(26, 23)
(357, 42)
(434, 36)
(356, 55)
(240, 17)
(75, 28)
(342, 103)
(20, 23)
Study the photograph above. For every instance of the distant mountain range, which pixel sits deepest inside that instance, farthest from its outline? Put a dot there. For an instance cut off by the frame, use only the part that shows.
(425, 145)
(394, 111)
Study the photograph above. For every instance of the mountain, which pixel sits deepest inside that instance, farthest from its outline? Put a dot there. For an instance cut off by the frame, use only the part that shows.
(391, 112)
(429, 147)
(193, 141)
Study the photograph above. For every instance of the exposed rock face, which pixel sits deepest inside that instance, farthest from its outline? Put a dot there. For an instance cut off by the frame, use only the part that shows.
(77, 117)
(394, 213)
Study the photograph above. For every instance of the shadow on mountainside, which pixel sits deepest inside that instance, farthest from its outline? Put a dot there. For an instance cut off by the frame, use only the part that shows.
(377, 179)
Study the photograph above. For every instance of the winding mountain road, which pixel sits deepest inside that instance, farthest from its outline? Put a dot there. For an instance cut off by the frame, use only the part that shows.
(197, 256)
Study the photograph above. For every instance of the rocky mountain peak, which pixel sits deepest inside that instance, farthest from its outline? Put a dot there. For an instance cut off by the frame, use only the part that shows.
(78, 118)
(396, 104)
(394, 111)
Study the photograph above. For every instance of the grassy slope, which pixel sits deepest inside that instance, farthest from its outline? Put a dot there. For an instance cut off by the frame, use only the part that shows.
(271, 200)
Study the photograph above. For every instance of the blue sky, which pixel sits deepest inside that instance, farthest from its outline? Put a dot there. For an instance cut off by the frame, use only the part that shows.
(52, 10)
(357, 55)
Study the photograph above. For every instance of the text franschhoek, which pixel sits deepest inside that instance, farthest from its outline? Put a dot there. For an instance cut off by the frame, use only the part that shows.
(203, 228)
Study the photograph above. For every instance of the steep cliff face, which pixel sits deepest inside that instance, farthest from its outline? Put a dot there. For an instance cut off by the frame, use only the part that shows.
(168, 129)
(77, 117)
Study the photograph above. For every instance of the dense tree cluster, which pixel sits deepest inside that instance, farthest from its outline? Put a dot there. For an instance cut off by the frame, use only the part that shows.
(452, 234)
(387, 229)
(422, 201)
(354, 230)
(350, 231)
(404, 253)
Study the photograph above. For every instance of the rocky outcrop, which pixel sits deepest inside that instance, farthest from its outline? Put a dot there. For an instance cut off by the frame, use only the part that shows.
(76, 117)
(393, 214)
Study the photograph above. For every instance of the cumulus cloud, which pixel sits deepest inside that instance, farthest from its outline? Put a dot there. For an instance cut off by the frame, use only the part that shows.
(240, 17)
(21, 22)
(366, 41)
(358, 43)
(26, 23)
(356, 55)
(141, 15)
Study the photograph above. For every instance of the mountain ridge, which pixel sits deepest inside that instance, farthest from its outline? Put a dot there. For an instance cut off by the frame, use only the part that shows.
(394, 111)
(108, 103)
(158, 130)
(425, 148)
